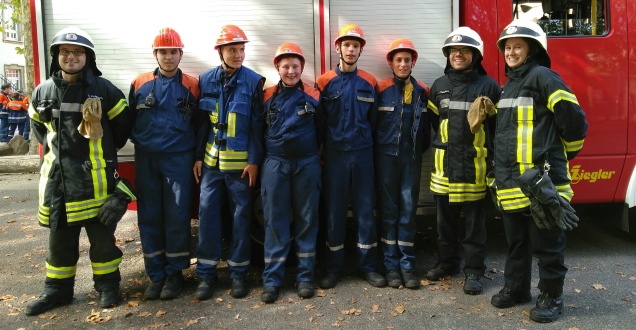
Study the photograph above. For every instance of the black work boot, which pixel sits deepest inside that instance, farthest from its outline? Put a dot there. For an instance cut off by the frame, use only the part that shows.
(46, 302)
(172, 287)
(411, 280)
(508, 298)
(374, 278)
(270, 294)
(305, 290)
(549, 307)
(329, 281)
(153, 291)
(109, 297)
(439, 272)
(394, 278)
(205, 289)
(239, 288)
(472, 284)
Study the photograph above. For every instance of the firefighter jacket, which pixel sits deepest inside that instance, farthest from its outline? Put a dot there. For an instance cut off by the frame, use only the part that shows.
(17, 111)
(539, 120)
(461, 158)
(292, 120)
(168, 122)
(76, 173)
(235, 131)
(351, 107)
(390, 117)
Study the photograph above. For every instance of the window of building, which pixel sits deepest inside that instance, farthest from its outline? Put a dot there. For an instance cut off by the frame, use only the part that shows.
(14, 75)
(565, 17)
(12, 30)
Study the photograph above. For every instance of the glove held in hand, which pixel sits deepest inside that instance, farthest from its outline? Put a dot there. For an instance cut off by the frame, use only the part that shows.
(115, 206)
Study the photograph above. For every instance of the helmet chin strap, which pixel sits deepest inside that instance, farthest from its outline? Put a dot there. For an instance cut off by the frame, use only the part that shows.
(405, 79)
(227, 66)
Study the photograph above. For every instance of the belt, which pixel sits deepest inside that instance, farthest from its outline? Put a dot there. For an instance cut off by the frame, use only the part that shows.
(220, 142)
(220, 125)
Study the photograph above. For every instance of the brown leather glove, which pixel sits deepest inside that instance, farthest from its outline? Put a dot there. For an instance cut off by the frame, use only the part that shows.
(91, 126)
(481, 108)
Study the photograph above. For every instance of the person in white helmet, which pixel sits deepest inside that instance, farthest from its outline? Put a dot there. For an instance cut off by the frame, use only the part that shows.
(462, 157)
(81, 120)
(349, 96)
(540, 127)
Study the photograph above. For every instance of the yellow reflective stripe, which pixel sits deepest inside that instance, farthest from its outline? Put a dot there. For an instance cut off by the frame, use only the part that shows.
(60, 272)
(525, 127)
(565, 191)
(561, 95)
(101, 268)
(443, 131)
(43, 214)
(512, 199)
(479, 143)
(34, 114)
(466, 197)
(98, 167)
(117, 109)
(439, 184)
(231, 124)
(211, 155)
(467, 187)
(432, 106)
(573, 145)
(82, 210)
(124, 188)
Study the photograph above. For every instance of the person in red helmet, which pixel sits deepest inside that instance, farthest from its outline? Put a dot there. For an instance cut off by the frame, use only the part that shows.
(79, 184)
(290, 180)
(164, 134)
(349, 96)
(402, 136)
(227, 160)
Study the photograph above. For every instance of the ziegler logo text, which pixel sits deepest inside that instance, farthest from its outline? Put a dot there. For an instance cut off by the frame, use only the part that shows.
(579, 174)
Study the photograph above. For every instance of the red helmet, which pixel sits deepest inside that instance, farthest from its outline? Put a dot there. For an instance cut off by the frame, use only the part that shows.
(167, 38)
(230, 34)
(401, 44)
(351, 31)
(289, 48)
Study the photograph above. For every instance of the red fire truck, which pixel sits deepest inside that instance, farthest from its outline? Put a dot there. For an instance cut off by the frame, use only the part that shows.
(591, 43)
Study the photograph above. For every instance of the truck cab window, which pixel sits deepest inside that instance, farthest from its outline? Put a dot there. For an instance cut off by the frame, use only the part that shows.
(565, 17)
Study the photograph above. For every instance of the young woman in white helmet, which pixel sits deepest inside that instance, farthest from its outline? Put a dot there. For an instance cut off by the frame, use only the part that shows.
(540, 126)
(462, 156)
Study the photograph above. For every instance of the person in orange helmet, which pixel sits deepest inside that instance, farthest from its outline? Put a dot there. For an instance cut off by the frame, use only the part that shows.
(227, 160)
(5, 97)
(350, 99)
(290, 180)
(164, 134)
(403, 134)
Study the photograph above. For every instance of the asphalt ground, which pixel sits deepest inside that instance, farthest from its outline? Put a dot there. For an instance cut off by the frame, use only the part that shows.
(600, 288)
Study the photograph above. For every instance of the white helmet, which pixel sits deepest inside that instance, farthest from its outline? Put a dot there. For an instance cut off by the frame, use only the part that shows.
(73, 36)
(521, 28)
(463, 36)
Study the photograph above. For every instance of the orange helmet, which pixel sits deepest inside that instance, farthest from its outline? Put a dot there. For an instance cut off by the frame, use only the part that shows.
(289, 48)
(350, 31)
(230, 34)
(401, 44)
(167, 38)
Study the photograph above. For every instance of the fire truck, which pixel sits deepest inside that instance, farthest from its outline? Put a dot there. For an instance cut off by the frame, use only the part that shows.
(591, 43)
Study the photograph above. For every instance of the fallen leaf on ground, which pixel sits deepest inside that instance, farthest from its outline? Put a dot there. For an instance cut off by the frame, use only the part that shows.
(426, 282)
(400, 308)
(7, 297)
(257, 306)
(95, 318)
(598, 286)
(160, 313)
(7, 197)
(577, 290)
(191, 322)
(218, 299)
(375, 308)
(310, 307)
(144, 314)
(320, 293)
(133, 303)
(236, 317)
(11, 221)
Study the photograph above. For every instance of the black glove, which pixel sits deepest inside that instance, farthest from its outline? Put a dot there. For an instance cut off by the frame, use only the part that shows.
(115, 206)
(538, 214)
(570, 220)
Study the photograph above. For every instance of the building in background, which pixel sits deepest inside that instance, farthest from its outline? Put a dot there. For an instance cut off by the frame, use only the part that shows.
(12, 64)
